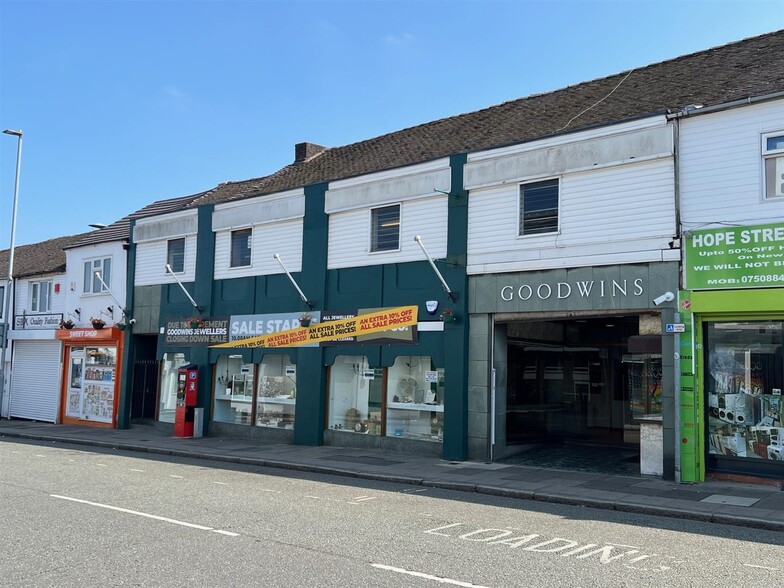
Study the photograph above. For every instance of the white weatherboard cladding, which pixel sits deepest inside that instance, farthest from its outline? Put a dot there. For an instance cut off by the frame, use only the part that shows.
(283, 237)
(623, 214)
(23, 301)
(169, 226)
(35, 380)
(720, 166)
(535, 161)
(349, 234)
(389, 187)
(151, 259)
(264, 209)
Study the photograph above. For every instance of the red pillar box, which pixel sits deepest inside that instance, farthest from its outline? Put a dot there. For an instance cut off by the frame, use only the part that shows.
(187, 392)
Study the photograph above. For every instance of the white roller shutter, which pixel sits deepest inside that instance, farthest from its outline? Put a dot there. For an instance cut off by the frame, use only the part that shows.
(35, 380)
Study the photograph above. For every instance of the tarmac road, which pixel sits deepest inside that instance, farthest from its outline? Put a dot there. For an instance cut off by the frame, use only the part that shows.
(78, 516)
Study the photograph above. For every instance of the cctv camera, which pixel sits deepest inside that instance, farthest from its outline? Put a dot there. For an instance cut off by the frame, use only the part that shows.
(666, 297)
(131, 321)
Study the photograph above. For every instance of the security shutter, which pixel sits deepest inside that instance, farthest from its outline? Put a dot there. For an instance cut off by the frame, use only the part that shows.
(35, 380)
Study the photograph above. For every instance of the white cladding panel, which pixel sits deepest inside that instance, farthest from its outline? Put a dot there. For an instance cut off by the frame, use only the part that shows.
(620, 214)
(283, 237)
(23, 301)
(151, 263)
(35, 380)
(720, 166)
(349, 234)
(169, 226)
(261, 210)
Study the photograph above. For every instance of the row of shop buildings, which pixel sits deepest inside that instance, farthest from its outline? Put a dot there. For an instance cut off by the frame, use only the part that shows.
(601, 264)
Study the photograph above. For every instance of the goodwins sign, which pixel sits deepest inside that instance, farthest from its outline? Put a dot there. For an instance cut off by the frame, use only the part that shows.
(627, 286)
(581, 288)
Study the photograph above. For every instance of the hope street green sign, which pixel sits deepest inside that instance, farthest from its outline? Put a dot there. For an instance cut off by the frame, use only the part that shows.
(735, 257)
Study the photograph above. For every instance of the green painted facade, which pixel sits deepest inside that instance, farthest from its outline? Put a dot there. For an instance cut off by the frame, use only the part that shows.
(399, 284)
(697, 308)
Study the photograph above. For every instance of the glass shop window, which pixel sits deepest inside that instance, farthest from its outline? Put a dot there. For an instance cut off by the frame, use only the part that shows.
(405, 400)
(277, 392)
(744, 380)
(355, 393)
(168, 398)
(415, 399)
(233, 390)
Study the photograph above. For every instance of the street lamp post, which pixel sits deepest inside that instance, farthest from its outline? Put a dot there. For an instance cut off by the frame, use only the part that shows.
(9, 283)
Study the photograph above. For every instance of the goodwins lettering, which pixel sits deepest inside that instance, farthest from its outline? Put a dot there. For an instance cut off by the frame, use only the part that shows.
(582, 289)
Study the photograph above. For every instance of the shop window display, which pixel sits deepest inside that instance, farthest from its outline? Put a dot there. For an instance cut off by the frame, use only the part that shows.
(277, 392)
(234, 381)
(172, 362)
(413, 390)
(355, 392)
(415, 399)
(744, 383)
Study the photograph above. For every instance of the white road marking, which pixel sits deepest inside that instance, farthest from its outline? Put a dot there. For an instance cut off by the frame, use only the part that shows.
(414, 490)
(427, 576)
(222, 483)
(101, 465)
(274, 491)
(173, 476)
(762, 567)
(133, 470)
(363, 498)
(39, 455)
(229, 533)
(71, 460)
(143, 514)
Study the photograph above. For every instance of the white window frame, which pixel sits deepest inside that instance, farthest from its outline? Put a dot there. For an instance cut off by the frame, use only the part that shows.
(93, 269)
(169, 260)
(231, 247)
(399, 230)
(768, 154)
(35, 306)
(557, 230)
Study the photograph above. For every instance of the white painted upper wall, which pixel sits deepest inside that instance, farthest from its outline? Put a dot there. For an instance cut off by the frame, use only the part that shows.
(95, 305)
(423, 211)
(720, 167)
(23, 301)
(616, 200)
(152, 236)
(277, 224)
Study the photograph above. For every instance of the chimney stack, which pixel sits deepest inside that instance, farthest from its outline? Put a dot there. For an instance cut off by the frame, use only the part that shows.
(304, 151)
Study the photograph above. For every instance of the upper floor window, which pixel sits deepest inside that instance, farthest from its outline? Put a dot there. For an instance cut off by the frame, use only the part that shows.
(175, 255)
(41, 296)
(773, 157)
(385, 228)
(240, 247)
(94, 268)
(539, 207)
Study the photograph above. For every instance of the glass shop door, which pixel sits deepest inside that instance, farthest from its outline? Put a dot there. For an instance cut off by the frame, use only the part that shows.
(73, 406)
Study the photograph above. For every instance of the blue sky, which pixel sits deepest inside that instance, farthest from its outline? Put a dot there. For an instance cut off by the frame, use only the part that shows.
(126, 102)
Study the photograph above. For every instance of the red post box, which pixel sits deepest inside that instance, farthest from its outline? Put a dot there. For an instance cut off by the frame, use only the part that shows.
(187, 394)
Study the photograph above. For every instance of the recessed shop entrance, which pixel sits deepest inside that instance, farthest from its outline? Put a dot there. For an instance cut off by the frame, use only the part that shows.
(585, 380)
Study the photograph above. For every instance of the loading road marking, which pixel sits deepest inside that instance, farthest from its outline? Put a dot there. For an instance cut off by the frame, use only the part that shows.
(145, 515)
(559, 546)
(762, 567)
(427, 576)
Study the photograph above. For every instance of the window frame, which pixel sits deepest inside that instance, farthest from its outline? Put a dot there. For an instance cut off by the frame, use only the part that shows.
(169, 256)
(521, 211)
(35, 307)
(232, 233)
(766, 155)
(373, 232)
(93, 280)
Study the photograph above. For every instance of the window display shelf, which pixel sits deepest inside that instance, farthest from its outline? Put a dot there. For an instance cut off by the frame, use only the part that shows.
(415, 406)
(276, 400)
(235, 398)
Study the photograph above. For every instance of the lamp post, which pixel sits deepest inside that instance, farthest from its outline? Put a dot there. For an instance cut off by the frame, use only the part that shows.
(9, 283)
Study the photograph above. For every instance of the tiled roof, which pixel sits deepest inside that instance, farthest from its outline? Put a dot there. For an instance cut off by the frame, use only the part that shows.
(751, 67)
(119, 230)
(38, 259)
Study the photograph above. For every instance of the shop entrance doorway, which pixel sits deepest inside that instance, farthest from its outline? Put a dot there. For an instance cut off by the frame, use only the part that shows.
(144, 385)
(582, 380)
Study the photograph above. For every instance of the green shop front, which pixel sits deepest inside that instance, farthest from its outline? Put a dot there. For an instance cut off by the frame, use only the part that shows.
(732, 353)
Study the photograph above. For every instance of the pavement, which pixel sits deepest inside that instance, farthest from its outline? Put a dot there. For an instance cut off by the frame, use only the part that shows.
(724, 502)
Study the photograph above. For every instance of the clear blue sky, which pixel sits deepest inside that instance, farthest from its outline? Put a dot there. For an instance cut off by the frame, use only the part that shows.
(127, 102)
